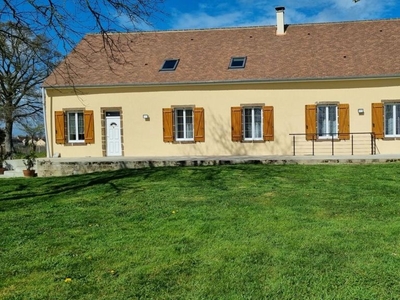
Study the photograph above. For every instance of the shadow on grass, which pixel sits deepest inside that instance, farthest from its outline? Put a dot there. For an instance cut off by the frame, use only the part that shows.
(213, 176)
(57, 185)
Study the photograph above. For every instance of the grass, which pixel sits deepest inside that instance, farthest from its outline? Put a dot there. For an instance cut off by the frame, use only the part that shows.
(226, 232)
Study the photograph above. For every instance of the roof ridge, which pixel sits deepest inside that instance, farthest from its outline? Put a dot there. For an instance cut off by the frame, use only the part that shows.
(244, 27)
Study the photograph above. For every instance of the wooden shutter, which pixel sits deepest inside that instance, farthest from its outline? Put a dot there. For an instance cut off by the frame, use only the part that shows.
(60, 127)
(311, 122)
(168, 132)
(344, 122)
(89, 126)
(199, 124)
(377, 120)
(236, 122)
(268, 119)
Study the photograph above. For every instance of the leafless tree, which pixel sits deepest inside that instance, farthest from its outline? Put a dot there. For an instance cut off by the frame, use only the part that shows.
(28, 26)
(25, 61)
(67, 21)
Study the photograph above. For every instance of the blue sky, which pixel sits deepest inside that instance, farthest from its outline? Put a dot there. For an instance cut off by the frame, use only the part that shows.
(181, 14)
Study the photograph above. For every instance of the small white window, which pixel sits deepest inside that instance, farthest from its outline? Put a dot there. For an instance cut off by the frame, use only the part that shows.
(237, 62)
(184, 124)
(252, 123)
(75, 127)
(392, 119)
(327, 124)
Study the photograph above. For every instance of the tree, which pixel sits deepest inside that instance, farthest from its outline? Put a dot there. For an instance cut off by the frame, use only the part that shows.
(25, 33)
(68, 21)
(2, 137)
(25, 61)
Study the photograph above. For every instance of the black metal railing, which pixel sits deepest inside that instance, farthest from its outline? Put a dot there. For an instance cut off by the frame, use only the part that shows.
(359, 143)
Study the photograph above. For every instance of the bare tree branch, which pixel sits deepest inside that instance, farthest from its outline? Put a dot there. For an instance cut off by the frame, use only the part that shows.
(68, 23)
(25, 61)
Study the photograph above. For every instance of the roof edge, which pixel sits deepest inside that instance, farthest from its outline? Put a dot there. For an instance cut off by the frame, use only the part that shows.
(250, 81)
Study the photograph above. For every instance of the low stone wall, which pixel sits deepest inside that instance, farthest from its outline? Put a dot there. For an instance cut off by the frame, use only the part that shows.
(58, 167)
(46, 167)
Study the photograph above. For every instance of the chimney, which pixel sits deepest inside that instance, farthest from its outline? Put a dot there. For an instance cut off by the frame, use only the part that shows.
(280, 22)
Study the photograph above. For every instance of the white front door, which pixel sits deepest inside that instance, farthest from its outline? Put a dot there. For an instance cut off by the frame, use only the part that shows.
(113, 123)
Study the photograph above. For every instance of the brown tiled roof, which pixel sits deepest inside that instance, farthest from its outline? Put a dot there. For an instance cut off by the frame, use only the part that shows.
(310, 51)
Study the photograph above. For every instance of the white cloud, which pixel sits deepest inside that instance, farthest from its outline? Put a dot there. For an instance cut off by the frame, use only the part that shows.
(204, 20)
(347, 10)
(125, 23)
(229, 13)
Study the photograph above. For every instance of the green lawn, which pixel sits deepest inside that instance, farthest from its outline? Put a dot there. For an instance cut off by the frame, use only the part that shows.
(223, 232)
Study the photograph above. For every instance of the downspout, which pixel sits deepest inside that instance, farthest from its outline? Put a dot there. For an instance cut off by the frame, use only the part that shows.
(45, 124)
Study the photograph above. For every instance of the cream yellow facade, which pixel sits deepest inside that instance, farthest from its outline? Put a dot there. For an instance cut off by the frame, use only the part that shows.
(141, 137)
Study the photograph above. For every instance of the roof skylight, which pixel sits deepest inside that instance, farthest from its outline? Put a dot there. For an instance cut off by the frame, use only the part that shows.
(169, 65)
(237, 62)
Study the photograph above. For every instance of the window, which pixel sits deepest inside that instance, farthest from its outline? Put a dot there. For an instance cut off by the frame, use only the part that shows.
(386, 120)
(74, 127)
(252, 123)
(327, 126)
(392, 119)
(183, 124)
(237, 63)
(325, 121)
(169, 65)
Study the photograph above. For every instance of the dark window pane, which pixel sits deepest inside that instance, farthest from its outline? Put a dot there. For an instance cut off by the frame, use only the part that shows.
(237, 62)
(248, 123)
(113, 113)
(397, 119)
(170, 64)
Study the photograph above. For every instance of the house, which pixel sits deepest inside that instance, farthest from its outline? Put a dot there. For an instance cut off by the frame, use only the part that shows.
(303, 89)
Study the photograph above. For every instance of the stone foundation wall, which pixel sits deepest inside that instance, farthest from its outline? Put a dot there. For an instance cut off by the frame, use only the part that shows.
(47, 167)
(58, 167)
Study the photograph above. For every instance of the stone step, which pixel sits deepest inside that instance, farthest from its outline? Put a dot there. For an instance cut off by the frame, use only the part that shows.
(14, 165)
(14, 168)
(12, 173)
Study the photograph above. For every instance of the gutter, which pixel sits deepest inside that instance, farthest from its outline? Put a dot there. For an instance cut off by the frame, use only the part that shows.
(251, 81)
(45, 124)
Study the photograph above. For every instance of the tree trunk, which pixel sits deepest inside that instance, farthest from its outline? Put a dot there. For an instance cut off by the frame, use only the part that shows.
(8, 141)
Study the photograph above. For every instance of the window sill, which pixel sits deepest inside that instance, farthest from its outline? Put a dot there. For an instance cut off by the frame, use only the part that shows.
(336, 139)
(253, 141)
(75, 144)
(391, 138)
(184, 142)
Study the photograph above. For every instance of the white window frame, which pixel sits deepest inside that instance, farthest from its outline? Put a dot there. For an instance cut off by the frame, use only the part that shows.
(253, 123)
(76, 125)
(395, 119)
(327, 134)
(188, 128)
